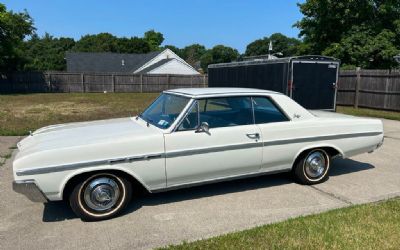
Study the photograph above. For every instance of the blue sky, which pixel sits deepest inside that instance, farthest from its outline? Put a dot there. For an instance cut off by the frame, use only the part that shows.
(209, 22)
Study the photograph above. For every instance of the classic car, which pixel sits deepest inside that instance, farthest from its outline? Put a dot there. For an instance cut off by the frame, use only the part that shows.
(185, 137)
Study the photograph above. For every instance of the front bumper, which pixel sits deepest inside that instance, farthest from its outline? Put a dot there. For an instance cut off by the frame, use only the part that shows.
(30, 190)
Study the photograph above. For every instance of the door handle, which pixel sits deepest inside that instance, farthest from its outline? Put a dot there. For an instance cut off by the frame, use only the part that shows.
(253, 136)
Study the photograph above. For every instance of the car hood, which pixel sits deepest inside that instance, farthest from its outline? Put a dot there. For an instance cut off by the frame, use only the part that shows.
(75, 134)
(87, 141)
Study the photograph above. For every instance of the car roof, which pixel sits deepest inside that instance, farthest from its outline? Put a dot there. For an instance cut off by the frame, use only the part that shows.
(207, 92)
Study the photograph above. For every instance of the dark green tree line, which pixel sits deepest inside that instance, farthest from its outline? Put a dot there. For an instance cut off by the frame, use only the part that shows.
(363, 33)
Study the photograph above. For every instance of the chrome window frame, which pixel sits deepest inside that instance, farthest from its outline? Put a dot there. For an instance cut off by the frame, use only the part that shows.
(185, 112)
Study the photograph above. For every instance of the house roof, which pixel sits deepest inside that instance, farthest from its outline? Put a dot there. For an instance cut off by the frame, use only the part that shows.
(106, 61)
(155, 65)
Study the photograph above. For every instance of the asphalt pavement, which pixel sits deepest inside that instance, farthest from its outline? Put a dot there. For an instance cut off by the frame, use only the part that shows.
(169, 218)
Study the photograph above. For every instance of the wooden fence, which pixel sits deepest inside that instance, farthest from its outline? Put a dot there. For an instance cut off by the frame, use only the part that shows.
(378, 89)
(28, 82)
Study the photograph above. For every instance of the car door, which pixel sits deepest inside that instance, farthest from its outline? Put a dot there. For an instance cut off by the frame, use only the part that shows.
(231, 147)
(275, 126)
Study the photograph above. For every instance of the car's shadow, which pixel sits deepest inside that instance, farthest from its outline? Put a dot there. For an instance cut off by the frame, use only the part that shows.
(59, 211)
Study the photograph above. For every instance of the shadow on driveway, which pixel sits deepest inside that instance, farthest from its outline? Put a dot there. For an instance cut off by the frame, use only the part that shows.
(59, 211)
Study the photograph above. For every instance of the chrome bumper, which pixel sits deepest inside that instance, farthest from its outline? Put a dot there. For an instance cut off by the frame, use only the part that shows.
(30, 190)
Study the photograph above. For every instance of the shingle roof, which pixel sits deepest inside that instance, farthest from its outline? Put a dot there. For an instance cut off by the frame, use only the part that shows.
(106, 61)
(155, 65)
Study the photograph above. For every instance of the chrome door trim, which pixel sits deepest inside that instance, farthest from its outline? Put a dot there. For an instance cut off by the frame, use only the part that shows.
(318, 138)
(73, 166)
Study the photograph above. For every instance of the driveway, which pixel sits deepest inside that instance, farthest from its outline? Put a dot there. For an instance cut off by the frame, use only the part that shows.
(200, 212)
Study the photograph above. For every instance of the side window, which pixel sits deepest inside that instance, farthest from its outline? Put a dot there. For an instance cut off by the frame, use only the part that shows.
(191, 121)
(226, 111)
(265, 111)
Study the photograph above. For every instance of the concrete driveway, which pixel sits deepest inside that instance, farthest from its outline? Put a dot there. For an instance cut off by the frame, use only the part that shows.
(200, 212)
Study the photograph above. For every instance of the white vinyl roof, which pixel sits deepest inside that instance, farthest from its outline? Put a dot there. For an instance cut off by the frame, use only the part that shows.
(203, 92)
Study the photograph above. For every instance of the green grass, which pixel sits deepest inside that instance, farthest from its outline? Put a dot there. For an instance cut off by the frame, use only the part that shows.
(20, 114)
(391, 115)
(370, 226)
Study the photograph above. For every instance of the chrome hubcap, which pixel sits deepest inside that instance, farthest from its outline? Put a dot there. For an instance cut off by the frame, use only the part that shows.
(101, 194)
(315, 165)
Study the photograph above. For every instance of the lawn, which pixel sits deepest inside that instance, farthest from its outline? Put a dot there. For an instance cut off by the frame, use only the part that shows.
(21, 113)
(370, 226)
(391, 115)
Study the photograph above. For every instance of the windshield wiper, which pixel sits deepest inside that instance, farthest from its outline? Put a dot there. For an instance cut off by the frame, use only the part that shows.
(147, 120)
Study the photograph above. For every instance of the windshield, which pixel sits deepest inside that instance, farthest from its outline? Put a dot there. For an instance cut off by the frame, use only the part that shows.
(164, 110)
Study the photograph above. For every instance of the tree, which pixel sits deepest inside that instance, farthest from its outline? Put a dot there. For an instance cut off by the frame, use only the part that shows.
(133, 45)
(105, 42)
(193, 53)
(14, 27)
(46, 53)
(102, 42)
(280, 43)
(359, 32)
(218, 54)
(155, 39)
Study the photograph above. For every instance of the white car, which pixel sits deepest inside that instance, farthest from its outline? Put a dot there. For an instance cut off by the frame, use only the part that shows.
(185, 137)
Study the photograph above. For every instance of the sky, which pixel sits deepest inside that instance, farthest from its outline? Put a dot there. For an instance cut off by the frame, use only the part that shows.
(232, 23)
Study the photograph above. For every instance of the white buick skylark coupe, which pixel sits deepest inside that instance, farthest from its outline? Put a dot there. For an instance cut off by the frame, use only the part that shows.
(185, 137)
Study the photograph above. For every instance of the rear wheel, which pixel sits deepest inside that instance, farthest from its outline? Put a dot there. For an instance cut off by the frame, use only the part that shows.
(100, 196)
(312, 167)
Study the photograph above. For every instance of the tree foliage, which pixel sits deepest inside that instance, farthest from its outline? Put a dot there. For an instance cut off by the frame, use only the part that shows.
(218, 54)
(359, 32)
(14, 27)
(280, 44)
(193, 53)
(106, 42)
(154, 38)
(46, 53)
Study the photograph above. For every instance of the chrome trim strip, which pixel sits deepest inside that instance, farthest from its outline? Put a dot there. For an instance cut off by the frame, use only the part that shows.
(319, 138)
(78, 165)
(172, 154)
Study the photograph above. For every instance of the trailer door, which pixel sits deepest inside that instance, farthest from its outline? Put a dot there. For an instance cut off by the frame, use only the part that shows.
(314, 84)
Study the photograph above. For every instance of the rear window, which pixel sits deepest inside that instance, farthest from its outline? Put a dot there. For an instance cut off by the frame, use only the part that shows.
(265, 111)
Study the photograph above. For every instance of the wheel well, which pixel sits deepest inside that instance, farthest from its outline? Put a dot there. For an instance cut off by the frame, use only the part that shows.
(136, 185)
(332, 152)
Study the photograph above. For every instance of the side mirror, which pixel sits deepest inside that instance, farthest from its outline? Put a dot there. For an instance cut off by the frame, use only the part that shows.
(204, 127)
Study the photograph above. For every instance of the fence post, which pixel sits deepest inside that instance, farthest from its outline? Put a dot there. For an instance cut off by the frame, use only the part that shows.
(168, 81)
(204, 80)
(141, 83)
(113, 83)
(49, 82)
(386, 98)
(83, 82)
(358, 82)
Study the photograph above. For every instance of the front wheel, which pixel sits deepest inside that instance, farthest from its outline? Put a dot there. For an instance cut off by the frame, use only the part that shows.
(312, 167)
(100, 196)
